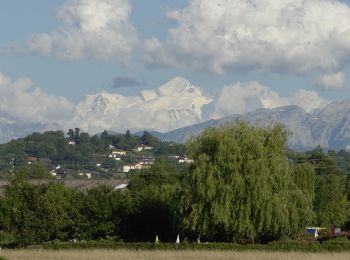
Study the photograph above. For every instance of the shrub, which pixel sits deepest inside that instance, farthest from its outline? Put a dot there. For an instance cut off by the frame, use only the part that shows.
(301, 246)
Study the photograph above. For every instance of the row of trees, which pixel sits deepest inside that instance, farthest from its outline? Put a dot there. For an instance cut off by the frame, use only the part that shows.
(242, 187)
(33, 214)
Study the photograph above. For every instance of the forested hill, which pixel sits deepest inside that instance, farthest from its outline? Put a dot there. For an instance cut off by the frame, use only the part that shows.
(103, 154)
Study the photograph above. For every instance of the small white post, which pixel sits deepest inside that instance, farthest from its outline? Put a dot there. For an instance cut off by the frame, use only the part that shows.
(157, 240)
(178, 239)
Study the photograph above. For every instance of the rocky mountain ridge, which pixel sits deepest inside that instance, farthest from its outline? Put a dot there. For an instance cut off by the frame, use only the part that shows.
(328, 127)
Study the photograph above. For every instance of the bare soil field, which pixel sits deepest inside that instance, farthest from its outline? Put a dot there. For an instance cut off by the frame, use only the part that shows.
(160, 255)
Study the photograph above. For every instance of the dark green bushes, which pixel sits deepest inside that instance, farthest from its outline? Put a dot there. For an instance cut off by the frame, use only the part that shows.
(288, 246)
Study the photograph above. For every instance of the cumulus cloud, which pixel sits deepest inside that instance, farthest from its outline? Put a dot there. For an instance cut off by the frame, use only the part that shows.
(21, 100)
(242, 98)
(289, 36)
(97, 29)
(333, 81)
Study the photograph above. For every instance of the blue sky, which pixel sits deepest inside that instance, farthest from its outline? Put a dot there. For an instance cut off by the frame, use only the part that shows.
(164, 44)
(76, 79)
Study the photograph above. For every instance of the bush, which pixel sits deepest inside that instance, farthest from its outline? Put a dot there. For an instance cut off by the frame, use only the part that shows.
(7, 239)
(284, 246)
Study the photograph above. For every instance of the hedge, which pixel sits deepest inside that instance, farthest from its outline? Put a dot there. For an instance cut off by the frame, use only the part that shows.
(302, 246)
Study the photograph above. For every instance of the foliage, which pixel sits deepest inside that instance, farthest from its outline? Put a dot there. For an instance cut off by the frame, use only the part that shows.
(34, 170)
(103, 212)
(242, 186)
(87, 151)
(330, 204)
(7, 239)
(288, 246)
(152, 190)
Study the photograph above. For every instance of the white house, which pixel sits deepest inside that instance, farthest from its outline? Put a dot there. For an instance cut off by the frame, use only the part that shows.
(129, 167)
(118, 152)
(185, 160)
(143, 148)
(145, 162)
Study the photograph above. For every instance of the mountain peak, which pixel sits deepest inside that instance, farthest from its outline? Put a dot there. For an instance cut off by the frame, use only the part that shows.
(177, 84)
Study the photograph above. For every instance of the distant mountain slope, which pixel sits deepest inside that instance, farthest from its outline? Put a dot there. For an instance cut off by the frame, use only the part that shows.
(329, 127)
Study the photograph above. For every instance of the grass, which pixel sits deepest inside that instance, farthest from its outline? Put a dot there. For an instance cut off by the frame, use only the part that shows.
(160, 255)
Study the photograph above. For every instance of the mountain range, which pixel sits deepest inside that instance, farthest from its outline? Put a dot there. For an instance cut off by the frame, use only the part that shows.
(329, 127)
(179, 110)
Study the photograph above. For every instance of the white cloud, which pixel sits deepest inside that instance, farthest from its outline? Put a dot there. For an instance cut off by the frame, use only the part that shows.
(243, 98)
(32, 105)
(290, 36)
(97, 29)
(333, 81)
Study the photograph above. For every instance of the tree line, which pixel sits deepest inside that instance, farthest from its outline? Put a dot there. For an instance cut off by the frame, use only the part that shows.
(84, 155)
(244, 186)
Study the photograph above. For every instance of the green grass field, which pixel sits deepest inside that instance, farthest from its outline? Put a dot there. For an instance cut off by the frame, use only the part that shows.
(160, 255)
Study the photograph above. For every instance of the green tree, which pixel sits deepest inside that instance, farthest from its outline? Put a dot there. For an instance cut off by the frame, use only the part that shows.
(152, 191)
(35, 214)
(149, 139)
(34, 170)
(104, 211)
(242, 186)
(127, 134)
(330, 204)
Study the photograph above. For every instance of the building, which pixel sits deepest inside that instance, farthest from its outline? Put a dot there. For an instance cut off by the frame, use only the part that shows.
(146, 161)
(32, 159)
(129, 167)
(185, 160)
(143, 148)
(117, 154)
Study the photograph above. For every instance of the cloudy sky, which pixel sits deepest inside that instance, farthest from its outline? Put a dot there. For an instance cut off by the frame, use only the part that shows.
(288, 51)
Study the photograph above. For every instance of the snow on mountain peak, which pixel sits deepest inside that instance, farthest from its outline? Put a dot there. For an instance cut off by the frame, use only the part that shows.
(175, 104)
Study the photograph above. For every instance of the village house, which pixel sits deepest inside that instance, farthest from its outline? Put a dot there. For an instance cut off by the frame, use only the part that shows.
(146, 161)
(143, 148)
(117, 154)
(32, 159)
(87, 174)
(128, 167)
(185, 160)
(71, 142)
(174, 157)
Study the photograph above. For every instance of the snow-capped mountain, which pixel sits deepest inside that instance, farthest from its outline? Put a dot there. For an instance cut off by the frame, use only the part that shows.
(180, 105)
(328, 127)
(176, 104)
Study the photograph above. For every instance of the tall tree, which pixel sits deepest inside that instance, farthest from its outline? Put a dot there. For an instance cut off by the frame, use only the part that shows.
(330, 204)
(242, 186)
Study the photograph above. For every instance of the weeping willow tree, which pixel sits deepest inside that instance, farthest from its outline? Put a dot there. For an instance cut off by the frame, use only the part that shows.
(242, 186)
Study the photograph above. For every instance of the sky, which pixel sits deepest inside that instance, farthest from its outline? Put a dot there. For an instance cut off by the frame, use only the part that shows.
(62, 50)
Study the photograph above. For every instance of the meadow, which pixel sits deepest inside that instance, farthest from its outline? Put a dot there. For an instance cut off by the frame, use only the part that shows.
(155, 255)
